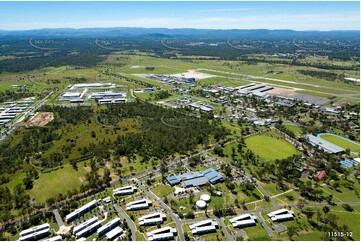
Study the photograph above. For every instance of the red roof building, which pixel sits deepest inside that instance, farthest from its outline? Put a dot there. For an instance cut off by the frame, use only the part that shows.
(320, 175)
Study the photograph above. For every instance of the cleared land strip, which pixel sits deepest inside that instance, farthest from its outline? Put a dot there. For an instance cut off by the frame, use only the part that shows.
(290, 84)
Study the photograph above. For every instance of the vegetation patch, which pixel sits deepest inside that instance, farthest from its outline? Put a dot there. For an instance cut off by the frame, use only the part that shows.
(270, 148)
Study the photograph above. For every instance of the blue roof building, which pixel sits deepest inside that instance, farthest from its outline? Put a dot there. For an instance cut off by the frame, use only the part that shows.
(212, 175)
(348, 163)
(173, 180)
(195, 179)
(195, 182)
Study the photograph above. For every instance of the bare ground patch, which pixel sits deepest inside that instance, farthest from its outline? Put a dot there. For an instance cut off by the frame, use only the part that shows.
(40, 119)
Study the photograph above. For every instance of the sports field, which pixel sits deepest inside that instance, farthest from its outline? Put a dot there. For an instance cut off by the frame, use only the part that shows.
(344, 143)
(270, 148)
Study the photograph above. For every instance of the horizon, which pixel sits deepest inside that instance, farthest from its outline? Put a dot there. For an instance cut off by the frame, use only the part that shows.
(297, 16)
(120, 27)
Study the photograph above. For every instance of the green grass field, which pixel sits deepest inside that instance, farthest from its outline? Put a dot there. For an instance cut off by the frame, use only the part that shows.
(59, 181)
(341, 142)
(162, 190)
(270, 148)
(294, 128)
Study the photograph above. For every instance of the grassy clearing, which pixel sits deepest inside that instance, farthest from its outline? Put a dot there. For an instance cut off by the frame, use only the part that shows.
(294, 128)
(60, 181)
(341, 142)
(256, 233)
(270, 148)
(162, 190)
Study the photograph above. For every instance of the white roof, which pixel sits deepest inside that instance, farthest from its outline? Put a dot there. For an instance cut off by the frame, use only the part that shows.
(109, 224)
(81, 209)
(55, 238)
(279, 211)
(240, 217)
(34, 229)
(203, 229)
(29, 237)
(84, 224)
(243, 222)
(282, 217)
(114, 232)
(152, 215)
(203, 223)
(89, 228)
(151, 221)
(164, 236)
(161, 230)
(141, 201)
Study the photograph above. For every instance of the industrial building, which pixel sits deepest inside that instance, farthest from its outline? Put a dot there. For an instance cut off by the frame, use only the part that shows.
(80, 211)
(243, 220)
(91, 85)
(108, 226)
(138, 205)
(151, 219)
(165, 233)
(204, 227)
(35, 233)
(323, 144)
(126, 190)
(102, 95)
(110, 101)
(281, 215)
(71, 95)
(195, 179)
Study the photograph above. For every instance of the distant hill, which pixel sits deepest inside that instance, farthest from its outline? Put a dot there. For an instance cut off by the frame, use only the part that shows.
(174, 33)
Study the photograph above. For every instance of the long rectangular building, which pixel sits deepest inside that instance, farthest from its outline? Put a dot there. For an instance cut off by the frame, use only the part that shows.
(114, 233)
(85, 224)
(88, 230)
(36, 235)
(34, 229)
(151, 219)
(108, 226)
(126, 190)
(138, 205)
(323, 144)
(55, 238)
(80, 211)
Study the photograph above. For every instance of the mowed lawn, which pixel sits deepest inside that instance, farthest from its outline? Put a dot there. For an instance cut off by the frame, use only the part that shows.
(59, 181)
(269, 148)
(294, 128)
(341, 142)
(162, 190)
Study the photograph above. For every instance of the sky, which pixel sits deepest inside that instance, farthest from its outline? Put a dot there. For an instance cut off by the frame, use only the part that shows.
(206, 15)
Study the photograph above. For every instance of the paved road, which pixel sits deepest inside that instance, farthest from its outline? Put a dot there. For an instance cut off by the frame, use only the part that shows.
(264, 224)
(224, 229)
(130, 223)
(58, 218)
(165, 207)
